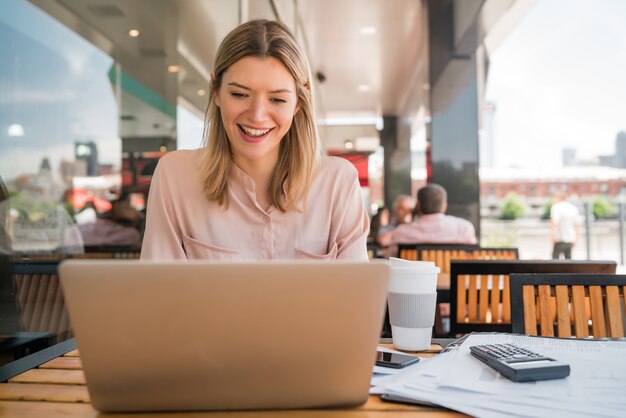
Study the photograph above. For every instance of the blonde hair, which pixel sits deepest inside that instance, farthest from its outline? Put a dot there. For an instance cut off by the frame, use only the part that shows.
(299, 150)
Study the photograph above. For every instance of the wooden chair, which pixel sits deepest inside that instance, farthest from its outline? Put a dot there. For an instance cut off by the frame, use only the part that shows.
(40, 298)
(442, 255)
(480, 289)
(14, 342)
(556, 305)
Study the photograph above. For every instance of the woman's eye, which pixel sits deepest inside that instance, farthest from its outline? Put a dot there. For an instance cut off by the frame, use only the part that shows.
(237, 95)
(278, 100)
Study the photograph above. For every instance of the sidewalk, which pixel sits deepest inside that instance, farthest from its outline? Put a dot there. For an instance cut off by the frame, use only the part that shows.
(532, 237)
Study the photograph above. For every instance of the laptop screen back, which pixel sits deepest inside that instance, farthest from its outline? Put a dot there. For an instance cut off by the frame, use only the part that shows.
(212, 335)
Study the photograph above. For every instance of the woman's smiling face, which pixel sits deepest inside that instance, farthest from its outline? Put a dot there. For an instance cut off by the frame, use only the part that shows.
(257, 101)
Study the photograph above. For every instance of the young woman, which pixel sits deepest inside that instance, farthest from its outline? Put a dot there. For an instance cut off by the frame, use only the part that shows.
(259, 188)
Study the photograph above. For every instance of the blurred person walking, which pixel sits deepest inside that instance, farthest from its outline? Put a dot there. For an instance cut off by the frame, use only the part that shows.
(564, 227)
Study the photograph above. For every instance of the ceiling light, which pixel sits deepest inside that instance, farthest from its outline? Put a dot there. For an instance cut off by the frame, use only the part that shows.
(173, 68)
(368, 30)
(16, 131)
(363, 87)
(201, 92)
(380, 124)
(133, 33)
(348, 144)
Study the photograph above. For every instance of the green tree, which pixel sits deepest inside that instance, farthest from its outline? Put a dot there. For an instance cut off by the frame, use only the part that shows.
(546, 209)
(602, 208)
(512, 207)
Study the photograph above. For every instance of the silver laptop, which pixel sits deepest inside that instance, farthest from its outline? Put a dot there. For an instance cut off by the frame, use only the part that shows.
(202, 335)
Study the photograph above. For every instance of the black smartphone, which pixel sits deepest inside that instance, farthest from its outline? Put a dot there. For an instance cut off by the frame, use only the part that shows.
(395, 360)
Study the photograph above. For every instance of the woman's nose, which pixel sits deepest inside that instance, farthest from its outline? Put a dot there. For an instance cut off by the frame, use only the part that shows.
(258, 111)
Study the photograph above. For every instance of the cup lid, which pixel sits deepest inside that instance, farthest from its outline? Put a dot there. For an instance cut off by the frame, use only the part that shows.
(417, 266)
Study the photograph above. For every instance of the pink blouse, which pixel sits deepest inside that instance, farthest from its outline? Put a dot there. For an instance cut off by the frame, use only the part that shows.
(182, 223)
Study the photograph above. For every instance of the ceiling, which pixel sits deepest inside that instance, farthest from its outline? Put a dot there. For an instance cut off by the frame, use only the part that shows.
(367, 50)
(384, 61)
(380, 63)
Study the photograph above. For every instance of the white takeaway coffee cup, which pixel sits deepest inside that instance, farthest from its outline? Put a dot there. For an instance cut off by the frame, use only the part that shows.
(412, 300)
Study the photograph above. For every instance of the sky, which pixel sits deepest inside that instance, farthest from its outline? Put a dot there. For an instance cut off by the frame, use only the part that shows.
(559, 81)
(54, 84)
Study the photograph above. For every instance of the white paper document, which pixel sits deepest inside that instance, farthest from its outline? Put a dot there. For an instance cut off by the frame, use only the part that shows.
(457, 380)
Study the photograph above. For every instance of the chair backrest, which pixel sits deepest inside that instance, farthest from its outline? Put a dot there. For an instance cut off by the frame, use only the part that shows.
(480, 290)
(443, 254)
(40, 298)
(557, 304)
(91, 252)
(108, 251)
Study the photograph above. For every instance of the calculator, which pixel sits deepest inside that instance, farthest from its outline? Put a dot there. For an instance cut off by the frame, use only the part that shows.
(520, 364)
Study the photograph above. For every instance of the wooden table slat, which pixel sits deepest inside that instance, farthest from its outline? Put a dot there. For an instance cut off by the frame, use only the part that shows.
(33, 409)
(61, 377)
(374, 403)
(43, 392)
(73, 353)
(434, 349)
(64, 363)
(70, 410)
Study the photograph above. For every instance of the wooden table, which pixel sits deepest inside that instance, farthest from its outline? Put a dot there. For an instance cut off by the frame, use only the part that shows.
(56, 388)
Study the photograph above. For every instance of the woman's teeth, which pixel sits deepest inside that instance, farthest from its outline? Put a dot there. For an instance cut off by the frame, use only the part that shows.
(254, 132)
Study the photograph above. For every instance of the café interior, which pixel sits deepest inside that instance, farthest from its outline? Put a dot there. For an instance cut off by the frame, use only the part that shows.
(94, 92)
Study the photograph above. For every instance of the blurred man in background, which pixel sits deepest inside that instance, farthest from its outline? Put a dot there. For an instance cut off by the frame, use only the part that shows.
(564, 227)
(433, 226)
